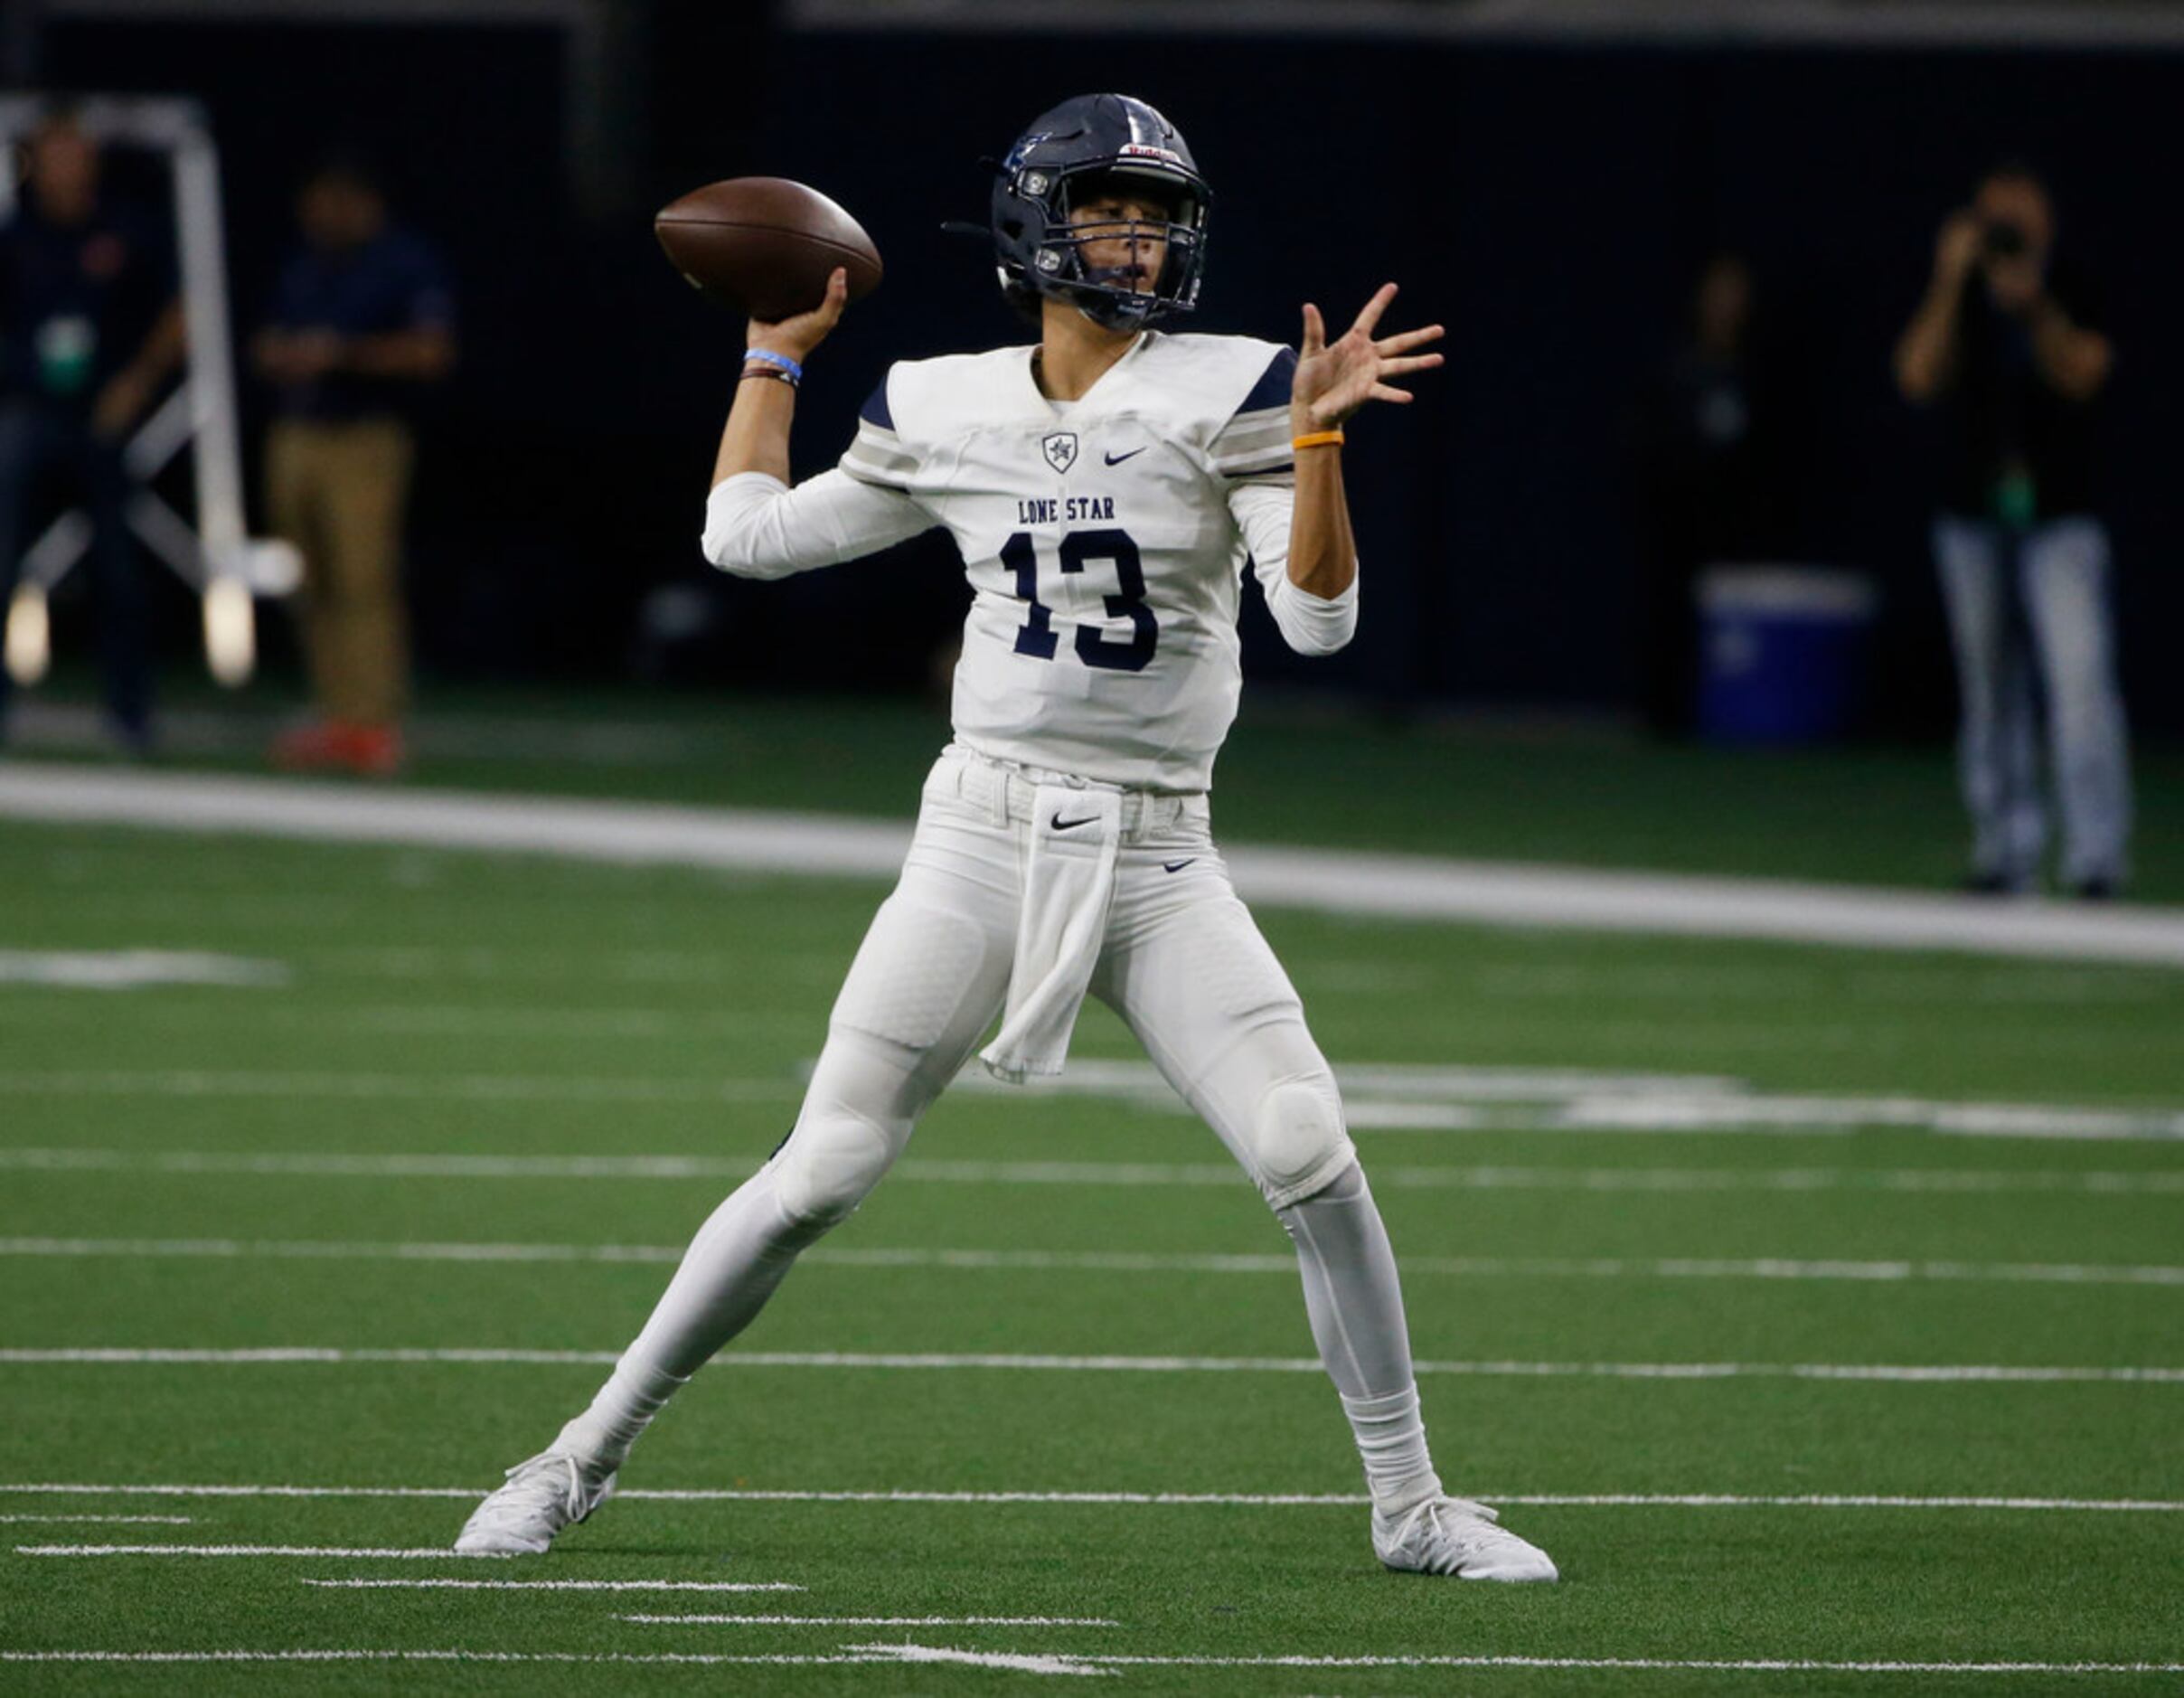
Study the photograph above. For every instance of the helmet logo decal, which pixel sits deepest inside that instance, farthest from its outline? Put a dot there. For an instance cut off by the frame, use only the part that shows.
(1061, 450)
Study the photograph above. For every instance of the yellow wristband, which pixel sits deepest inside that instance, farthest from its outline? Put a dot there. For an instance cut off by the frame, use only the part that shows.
(1317, 439)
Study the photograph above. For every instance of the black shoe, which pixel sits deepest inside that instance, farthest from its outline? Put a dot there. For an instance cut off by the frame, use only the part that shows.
(1993, 884)
(2097, 890)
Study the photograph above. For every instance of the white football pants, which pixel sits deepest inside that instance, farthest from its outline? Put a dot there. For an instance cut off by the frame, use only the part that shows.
(1185, 966)
(1183, 962)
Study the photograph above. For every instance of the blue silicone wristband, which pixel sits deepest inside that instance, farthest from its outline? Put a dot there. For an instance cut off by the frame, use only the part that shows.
(781, 360)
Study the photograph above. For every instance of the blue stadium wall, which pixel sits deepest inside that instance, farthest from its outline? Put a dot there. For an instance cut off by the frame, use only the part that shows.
(1550, 205)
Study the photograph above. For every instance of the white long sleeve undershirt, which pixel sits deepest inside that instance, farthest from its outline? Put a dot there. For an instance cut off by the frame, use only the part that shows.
(1310, 624)
(756, 526)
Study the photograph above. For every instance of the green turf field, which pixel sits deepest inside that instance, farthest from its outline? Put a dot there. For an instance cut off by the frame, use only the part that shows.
(425, 1136)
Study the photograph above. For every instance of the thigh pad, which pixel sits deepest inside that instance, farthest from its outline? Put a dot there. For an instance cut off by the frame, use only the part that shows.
(917, 966)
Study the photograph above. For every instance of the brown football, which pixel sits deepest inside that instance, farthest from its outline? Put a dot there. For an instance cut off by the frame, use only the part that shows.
(764, 246)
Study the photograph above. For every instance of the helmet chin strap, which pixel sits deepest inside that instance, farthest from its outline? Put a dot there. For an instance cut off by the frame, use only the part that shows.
(1107, 318)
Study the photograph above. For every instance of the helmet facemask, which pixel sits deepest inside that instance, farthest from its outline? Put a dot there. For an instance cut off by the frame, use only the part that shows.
(1114, 295)
(1090, 144)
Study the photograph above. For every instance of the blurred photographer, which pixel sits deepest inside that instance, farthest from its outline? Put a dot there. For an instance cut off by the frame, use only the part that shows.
(90, 335)
(2006, 345)
(362, 327)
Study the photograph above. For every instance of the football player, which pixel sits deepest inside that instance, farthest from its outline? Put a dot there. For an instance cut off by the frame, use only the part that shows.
(1105, 488)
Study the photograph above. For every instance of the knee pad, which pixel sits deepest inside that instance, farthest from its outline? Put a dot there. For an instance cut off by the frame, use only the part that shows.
(1299, 1144)
(829, 1164)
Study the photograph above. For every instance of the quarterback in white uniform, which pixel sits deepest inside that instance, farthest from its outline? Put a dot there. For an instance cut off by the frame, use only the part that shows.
(1106, 489)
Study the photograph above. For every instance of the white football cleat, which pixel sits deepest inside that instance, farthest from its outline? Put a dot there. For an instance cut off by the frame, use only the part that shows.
(1454, 1536)
(549, 1492)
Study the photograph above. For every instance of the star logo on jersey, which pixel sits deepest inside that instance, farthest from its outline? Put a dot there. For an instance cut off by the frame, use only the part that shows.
(1060, 449)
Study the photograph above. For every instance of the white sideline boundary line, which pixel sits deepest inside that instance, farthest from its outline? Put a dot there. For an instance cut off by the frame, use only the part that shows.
(1389, 886)
(1766, 1268)
(1916, 1373)
(1156, 1500)
(1159, 1175)
(110, 1521)
(1064, 1662)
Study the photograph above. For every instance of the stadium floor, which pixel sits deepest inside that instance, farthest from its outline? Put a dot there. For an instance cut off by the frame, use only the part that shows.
(1820, 1309)
(1805, 1391)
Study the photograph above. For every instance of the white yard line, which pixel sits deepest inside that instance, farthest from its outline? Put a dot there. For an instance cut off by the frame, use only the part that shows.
(111, 1521)
(427, 1553)
(1157, 1500)
(1419, 1100)
(701, 1659)
(523, 1087)
(1941, 1374)
(325, 1165)
(1096, 1662)
(558, 1586)
(318, 1165)
(1770, 1269)
(876, 1621)
(1410, 887)
(1088, 1664)
(1443, 1099)
(132, 969)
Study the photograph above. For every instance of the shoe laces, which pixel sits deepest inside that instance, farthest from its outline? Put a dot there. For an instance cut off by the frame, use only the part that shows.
(542, 1483)
(1442, 1521)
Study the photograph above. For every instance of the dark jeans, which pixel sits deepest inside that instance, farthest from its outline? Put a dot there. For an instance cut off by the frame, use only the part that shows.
(2021, 608)
(38, 443)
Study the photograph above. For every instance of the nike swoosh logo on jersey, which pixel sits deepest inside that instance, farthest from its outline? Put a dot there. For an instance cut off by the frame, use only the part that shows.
(1058, 823)
(1116, 460)
(1176, 866)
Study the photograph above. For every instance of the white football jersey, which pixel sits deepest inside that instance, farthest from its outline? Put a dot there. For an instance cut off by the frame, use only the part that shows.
(1100, 541)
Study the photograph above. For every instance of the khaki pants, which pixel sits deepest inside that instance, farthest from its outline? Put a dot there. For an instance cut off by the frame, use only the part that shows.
(338, 492)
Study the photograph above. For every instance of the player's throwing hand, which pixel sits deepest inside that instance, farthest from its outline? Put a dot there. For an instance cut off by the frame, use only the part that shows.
(796, 338)
(1334, 379)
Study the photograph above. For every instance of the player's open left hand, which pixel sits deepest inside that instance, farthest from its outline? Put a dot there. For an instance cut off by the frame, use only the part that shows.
(796, 338)
(1334, 379)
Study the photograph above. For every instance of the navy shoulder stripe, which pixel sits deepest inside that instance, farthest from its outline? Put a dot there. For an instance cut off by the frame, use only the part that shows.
(875, 409)
(1273, 387)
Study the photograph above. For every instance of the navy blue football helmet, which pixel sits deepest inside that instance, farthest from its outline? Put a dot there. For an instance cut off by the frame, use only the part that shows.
(1083, 142)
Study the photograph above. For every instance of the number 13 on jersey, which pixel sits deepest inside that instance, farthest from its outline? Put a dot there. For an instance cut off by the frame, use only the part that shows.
(1079, 550)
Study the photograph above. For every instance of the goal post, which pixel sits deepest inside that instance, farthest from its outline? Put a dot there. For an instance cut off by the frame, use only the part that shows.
(213, 552)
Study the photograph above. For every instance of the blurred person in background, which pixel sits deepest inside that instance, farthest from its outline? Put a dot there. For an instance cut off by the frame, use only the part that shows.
(2007, 346)
(1707, 479)
(90, 334)
(363, 324)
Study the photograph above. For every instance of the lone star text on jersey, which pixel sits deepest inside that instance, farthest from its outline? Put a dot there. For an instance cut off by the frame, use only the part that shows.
(1065, 510)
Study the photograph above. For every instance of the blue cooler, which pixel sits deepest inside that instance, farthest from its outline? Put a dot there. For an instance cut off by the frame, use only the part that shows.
(1783, 652)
